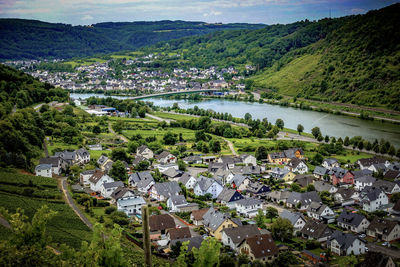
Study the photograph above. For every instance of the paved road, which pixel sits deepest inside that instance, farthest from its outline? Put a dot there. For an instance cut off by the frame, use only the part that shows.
(123, 138)
(71, 203)
(384, 250)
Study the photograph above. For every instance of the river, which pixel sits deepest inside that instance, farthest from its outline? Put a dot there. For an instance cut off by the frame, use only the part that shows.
(330, 124)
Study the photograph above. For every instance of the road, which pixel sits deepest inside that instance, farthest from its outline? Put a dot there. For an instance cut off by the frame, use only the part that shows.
(384, 250)
(71, 203)
(123, 138)
(158, 118)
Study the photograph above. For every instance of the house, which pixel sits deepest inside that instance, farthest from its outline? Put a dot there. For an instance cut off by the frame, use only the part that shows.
(145, 152)
(163, 191)
(375, 259)
(187, 180)
(320, 172)
(240, 182)
(297, 165)
(141, 180)
(194, 242)
(106, 189)
(247, 170)
(392, 175)
(302, 200)
(165, 157)
(55, 162)
(384, 229)
(344, 244)
(260, 247)
(130, 204)
(352, 221)
(285, 156)
(296, 219)
(232, 237)
(172, 174)
(278, 196)
(368, 162)
(84, 177)
(138, 159)
(319, 211)
(346, 196)
(45, 170)
(193, 160)
(341, 176)
(164, 167)
(280, 173)
(70, 157)
(248, 207)
(361, 182)
(83, 156)
(178, 233)
(257, 189)
(206, 185)
(121, 192)
(321, 186)
(316, 230)
(159, 225)
(373, 198)
(229, 197)
(103, 162)
(179, 204)
(387, 187)
(197, 216)
(213, 167)
(97, 179)
(330, 163)
(248, 160)
(215, 221)
(229, 161)
(360, 173)
(303, 180)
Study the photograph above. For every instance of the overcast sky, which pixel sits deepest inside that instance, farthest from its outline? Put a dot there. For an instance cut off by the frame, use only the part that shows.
(252, 11)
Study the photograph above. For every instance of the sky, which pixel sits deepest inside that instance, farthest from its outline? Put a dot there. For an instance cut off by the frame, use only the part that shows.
(86, 12)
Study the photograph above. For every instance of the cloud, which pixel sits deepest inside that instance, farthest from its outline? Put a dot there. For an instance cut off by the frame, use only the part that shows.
(87, 17)
(212, 13)
(357, 10)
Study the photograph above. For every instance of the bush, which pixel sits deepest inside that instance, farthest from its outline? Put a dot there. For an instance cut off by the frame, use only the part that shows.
(110, 209)
(120, 218)
(102, 203)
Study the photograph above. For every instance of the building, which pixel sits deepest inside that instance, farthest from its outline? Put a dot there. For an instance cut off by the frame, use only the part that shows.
(121, 192)
(368, 162)
(84, 177)
(97, 179)
(361, 182)
(341, 176)
(206, 185)
(248, 207)
(319, 211)
(320, 172)
(316, 230)
(143, 181)
(345, 196)
(232, 237)
(297, 165)
(321, 186)
(187, 180)
(159, 225)
(44, 170)
(260, 247)
(215, 221)
(107, 189)
(373, 198)
(384, 229)
(296, 219)
(178, 233)
(229, 197)
(179, 204)
(55, 162)
(330, 163)
(144, 152)
(302, 200)
(165, 158)
(197, 216)
(352, 221)
(131, 205)
(163, 191)
(344, 244)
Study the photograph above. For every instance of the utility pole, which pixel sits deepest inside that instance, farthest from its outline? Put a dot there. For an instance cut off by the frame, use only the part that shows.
(146, 236)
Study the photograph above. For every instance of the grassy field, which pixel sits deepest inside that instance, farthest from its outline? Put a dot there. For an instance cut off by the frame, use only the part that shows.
(65, 227)
(165, 115)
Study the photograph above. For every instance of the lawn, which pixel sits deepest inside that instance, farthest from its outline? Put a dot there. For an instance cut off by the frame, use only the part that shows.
(65, 227)
(173, 116)
(96, 154)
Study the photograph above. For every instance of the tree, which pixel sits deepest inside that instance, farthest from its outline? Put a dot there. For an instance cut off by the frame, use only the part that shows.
(392, 150)
(346, 141)
(96, 129)
(215, 146)
(316, 132)
(295, 187)
(395, 197)
(279, 123)
(208, 253)
(170, 138)
(326, 139)
(320, 138)
(310, 188)
(317, 159)
(118, 171)
(117, 127)
(300, 128)
(260, 219)
(200, 136)
(134, 112)
(181, 165)
(272, 213)
(142, 111)
(282, 229)
(142, 166)
(132, 146)
(286, 259)
(119, 154)
(247, 117)
(261, 153)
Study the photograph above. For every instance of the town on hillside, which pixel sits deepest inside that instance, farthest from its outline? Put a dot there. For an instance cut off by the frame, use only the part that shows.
(260, 208)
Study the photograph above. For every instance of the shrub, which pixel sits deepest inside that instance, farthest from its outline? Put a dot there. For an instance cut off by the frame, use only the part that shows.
(110, 209)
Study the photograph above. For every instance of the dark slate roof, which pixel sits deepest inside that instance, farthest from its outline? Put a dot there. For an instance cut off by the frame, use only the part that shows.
(366, 179)
(228, 194)
(171, 173)
(338, 172)
(303, 179)
(353, 219)
(305, 198)
(194, 242)
(205, 183)
(386, 186)
(317, 207)
(346, 193)
(161, 222)
(50, 160)
(138, 159)
(141, 179)
(162, 155)
(66, 155)
(392, 174)
(192, 158)
(120, 192)
(361, 173)
(345, 240)
(330, 161)
(43, 167)
(238, 179)
(238, 234)
(371, 193)
(82, 152)
(141, 149)
(179, 233)
(294, 162)
(322, 186)
(167, 189)
(262, 246)
(184, 178)
(371, 161)
(319, 170)
(88, 172)
(113, 184)
(290, 153)
(213, 219)
(293, 217)
(384, 226)
(316, 229)
(178, 200)
(246, 170)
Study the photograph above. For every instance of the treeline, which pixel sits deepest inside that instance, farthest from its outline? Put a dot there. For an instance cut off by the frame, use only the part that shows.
(31, 39)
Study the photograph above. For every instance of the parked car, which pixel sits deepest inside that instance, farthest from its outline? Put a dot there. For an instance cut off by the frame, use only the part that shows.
(386, 244)
(362, 236)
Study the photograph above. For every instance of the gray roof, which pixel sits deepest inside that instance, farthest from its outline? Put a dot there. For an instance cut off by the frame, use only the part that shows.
(213, 219)
(361, 173)
(319, 170)
(248, 202)
(371, 193)
(138, 159)
(238, 179)
(316, 229)
(194, 241)
(88, 172)
(43, 167)
(82, 152)
(246, 170)
(66, 155)
(171, 172)
(205, 183)
(141, 179)
(345, 240)
(113, 184)
(322, 186)
(290, 153)
(227, 194)
(279, 172)
(141, 148)
(293, 217)
(316, 207)
(129, 201)
(238, 234)
(185, 178)
(353, 219)
(120, 192)
(54, 161)
(192, 158)
(162, 155)
(296, 162)
(339, 172)
(167, 189)
(305, 198)
(330, 161)
(102, 159)
(178, 200)
(386, 186)
(366, 179)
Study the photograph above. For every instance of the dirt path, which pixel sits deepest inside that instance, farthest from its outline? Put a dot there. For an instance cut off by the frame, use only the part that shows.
(5, 223)
(231, 147)
(123, 138)
(71, 203)
(158, 118)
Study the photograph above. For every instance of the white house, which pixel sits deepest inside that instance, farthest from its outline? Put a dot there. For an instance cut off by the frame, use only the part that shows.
(344, 244)
(206, 185)
(145, 152)
(352, 221)
(373, 199)
(361, 182)
(248, 159)
(55, 162)
(163, 191)
(84, 177)
(233, 236)
(248, 207)
(131, 205)
(44, 170)
(319, 211)
(187, 180)
(296, 219)
(165, 157)
(143, 181)
(297, 165)
(83, 156)
(106, 189)
(330, 163)
(97, 179)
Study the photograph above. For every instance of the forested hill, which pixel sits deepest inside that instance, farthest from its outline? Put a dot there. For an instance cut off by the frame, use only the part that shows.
(31, 39)
(353, 59)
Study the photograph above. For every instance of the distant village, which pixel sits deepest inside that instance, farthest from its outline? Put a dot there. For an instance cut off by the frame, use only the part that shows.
(133, 76)
(345, 211)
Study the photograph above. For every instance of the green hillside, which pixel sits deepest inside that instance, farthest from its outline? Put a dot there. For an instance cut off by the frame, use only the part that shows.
(353, 59)
(31, 39)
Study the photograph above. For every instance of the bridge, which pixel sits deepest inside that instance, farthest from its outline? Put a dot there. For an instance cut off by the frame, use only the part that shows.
(173, 93)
